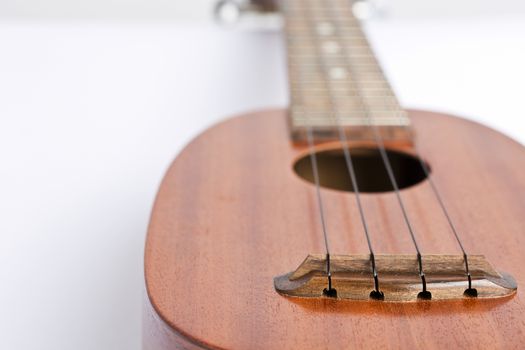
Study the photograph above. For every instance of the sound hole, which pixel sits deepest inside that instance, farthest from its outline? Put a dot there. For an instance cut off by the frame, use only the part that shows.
(369, 168)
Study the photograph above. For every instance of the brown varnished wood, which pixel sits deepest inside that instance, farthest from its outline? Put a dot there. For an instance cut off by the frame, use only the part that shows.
(231, 215)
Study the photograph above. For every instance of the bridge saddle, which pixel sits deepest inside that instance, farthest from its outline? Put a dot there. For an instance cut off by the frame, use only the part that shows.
(399, 278)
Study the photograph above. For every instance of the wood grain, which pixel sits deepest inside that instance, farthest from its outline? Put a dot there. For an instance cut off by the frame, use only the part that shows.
(231, 215)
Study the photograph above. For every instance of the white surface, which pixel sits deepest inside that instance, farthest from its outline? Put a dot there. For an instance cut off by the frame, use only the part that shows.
(104, 9)
(91, 114)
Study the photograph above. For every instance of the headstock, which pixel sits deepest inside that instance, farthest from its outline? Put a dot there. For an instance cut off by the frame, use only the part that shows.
(235, 11)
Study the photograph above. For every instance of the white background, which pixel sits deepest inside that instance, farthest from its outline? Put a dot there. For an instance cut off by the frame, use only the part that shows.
(199, 10)
(97, 99)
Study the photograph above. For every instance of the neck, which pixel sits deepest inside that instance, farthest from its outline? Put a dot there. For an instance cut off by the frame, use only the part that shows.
(335, 80)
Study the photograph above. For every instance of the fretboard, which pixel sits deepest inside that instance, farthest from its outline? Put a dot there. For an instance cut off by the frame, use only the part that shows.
(335, 79)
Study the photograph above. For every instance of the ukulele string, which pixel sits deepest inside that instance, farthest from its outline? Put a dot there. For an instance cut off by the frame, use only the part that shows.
(315, 171)
(439, 199)
(347, 154)
(386, 161)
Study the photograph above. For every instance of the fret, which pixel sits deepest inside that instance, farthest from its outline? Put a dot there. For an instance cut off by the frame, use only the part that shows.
(348, 33)
(385, 113)
(349, 120)
(302, 26)
(310, 55)
(365, 85)
(303, 121)
(359, 114)
(373, 73)
(350, 45)
(332, 59)
(294, 8)
(360, 69)
(343, 105)
(342, 93)
(346, 107)
(351, 41)
(334, 75)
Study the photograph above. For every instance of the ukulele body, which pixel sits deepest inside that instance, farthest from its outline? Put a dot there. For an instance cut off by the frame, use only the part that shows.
(232, 214)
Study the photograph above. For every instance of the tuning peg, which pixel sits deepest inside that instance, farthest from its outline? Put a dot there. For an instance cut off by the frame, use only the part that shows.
(230, 12)
(368, 9)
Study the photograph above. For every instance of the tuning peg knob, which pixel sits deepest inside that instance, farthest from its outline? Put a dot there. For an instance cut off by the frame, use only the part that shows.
(231, 11)
(228, 11)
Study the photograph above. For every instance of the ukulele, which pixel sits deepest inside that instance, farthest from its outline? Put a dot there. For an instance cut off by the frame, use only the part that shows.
(344, 222)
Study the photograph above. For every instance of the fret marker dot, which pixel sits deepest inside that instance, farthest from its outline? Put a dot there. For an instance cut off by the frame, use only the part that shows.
(337, 73)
